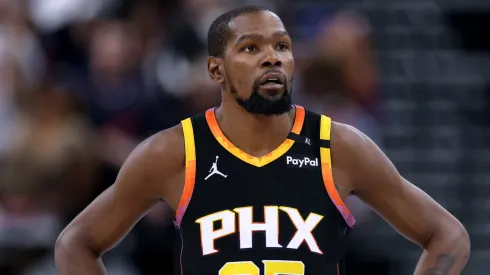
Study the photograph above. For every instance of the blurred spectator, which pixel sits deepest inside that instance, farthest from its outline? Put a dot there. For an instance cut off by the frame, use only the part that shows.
(21, 61)
(339, 78)
(181, 62)
(21, 57)
(108, 86)
(113, 92)
(125, 109)
(45, 173)
(323, 89)
(52, 15)
(346, 37)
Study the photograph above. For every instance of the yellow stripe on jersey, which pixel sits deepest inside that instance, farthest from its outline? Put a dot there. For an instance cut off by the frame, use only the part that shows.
(326, 160)
(190, 170)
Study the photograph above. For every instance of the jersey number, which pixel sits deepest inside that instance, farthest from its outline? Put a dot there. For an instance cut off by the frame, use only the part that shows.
(270, 268)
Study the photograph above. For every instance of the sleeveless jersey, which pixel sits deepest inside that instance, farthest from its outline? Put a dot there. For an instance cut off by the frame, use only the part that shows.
(276, 214)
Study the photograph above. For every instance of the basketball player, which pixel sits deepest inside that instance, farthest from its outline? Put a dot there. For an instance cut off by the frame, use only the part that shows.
(258, 184)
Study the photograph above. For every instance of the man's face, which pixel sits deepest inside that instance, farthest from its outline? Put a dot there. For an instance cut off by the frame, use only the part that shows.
(258, 63)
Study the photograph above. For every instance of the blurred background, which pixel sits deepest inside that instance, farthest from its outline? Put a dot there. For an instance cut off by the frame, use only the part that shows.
(83, 81)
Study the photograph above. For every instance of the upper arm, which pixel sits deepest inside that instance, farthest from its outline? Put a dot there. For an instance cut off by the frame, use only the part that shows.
(376, 181)
(144, 179)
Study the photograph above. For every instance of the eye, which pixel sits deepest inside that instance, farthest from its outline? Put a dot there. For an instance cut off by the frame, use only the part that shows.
(282, 46)
(249, 48)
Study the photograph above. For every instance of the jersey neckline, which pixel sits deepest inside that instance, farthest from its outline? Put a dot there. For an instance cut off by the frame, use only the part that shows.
(282, 149)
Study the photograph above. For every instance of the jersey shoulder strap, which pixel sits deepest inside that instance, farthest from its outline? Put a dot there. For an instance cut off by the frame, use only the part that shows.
(190, 170)
(326, 166)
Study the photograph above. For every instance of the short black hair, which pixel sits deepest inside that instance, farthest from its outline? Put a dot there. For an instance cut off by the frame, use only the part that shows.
(219, 33)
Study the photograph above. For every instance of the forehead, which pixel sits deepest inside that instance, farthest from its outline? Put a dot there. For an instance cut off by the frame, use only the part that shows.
(263, 22)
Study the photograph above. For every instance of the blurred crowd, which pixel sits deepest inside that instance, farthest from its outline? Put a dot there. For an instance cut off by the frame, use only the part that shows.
(82, 82)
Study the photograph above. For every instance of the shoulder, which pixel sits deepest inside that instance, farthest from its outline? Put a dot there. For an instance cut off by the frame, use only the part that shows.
(349, 150)
(343, 135)
(158, 161)
(347, 137)
(357, 156)
(351, 144)
(164, 152)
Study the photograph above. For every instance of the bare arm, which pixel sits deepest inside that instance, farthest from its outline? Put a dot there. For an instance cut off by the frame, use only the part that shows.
(413, 213)
(149, 174)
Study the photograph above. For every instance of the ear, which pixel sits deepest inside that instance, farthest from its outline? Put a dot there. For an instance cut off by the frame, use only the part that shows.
(215, 70)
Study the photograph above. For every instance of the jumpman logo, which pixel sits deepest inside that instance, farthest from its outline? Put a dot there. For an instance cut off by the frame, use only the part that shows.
(214, 170)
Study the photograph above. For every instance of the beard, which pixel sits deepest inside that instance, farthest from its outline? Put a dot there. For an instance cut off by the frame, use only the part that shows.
(261, 105)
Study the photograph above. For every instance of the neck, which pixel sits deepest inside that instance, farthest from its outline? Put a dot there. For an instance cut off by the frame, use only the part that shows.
(254, 134)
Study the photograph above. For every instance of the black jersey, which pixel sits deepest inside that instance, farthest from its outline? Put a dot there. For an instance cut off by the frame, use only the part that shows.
(277, 214)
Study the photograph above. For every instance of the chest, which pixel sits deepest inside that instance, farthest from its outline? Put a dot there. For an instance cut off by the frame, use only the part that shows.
(280, 204)
(294, 176)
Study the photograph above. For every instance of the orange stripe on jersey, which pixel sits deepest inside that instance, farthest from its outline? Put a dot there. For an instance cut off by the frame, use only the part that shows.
(190, 170)
(326, 160)
(252, 160)
(298, 120)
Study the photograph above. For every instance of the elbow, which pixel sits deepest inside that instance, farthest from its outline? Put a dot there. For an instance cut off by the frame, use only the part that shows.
(69, 246)
(460, 244)
(463, 242)
(63, 248)
(460, 239)
(453, 238)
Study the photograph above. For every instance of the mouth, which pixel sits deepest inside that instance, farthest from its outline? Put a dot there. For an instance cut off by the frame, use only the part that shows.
(272, 81)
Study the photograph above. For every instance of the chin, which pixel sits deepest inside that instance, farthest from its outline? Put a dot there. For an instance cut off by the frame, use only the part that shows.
(267, 102)
(273, 94)
(273, 97)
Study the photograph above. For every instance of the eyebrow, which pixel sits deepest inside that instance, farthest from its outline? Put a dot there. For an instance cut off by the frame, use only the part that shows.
(259, 36)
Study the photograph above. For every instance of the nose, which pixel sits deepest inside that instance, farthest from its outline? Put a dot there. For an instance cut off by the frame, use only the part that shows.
(271, 60)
